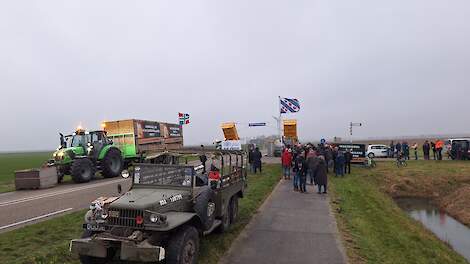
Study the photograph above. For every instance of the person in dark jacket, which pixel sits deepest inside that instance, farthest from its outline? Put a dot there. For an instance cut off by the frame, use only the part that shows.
(433, 148)
(328, 157)
(426, 149)
(257, 156)
(348, 156)
(250, 159)
(391, 150)
(312, 161)
(301, 168)
(406, 150)
(321, 175)
(203, 159)
(340, 161)
(398, 148)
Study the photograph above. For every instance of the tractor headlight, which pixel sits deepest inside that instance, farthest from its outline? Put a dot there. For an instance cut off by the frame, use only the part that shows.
(125, 174)
(89, 149)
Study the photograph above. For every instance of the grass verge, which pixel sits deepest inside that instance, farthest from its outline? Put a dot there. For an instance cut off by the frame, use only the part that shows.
(10, 162)
(47, 242)
(375, 230)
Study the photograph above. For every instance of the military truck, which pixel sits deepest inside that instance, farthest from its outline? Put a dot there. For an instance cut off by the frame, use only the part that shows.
(165, 212)
(110, 150)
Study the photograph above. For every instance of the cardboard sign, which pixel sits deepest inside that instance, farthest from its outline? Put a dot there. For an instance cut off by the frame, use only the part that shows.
(232, 145)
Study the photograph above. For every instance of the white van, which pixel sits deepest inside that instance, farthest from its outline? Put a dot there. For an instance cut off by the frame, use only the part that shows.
(377, 151)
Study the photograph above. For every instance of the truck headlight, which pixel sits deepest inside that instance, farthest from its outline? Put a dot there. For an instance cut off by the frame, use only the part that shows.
(104, 215)
(125, 174)
(154, 218)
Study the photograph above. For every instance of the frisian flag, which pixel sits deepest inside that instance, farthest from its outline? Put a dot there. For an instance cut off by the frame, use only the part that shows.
(289, 105)
(183, 118)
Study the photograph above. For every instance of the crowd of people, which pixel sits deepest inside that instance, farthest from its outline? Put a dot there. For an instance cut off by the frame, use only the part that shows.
(303, 163)
(402, 149)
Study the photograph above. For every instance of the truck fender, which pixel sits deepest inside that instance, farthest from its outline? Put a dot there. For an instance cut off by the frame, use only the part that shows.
(177, 219)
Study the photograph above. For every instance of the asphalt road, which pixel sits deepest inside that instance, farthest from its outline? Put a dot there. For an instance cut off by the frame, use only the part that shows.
(22, 208)
(26, 207)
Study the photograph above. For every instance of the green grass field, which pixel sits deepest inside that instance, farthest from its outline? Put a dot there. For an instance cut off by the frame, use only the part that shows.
(47, 242)
(375, 230)
(10, 162)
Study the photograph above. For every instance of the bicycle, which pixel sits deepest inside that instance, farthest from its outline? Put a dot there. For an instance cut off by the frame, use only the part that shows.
(401, 162)
(370, 163)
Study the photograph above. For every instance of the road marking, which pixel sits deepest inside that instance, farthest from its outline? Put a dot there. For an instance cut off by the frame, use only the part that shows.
(46, 195)
(35, 218)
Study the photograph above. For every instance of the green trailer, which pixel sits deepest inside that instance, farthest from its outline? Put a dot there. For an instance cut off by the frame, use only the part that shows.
(110, 150)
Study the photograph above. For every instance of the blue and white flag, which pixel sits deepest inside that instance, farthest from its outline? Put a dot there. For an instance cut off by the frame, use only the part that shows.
(289, 105)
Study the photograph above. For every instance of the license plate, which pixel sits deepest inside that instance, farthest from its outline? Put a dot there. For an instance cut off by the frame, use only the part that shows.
(93, 227)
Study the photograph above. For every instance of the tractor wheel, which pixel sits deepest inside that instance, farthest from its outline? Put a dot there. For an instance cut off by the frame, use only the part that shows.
(94, 260)
(205, 207)
(112, 163)
(83, 170)
(183, 247)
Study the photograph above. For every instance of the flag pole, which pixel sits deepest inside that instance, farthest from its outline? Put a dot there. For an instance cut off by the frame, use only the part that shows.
(279, 120)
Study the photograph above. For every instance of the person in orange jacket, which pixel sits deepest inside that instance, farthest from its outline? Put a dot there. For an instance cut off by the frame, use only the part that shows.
(439, 147)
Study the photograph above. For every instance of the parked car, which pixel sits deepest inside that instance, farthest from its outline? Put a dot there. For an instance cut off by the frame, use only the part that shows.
(458, 148)
(377, 151)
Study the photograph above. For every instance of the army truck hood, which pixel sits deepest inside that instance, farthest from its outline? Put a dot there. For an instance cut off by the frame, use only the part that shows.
(147, 198)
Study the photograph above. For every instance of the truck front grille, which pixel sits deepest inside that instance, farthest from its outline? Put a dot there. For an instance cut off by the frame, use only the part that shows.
(125, 217)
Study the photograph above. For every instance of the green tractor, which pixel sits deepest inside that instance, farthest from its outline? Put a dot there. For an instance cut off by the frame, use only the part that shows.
(84, 153)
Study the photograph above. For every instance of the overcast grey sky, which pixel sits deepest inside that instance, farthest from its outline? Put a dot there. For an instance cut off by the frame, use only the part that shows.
(401, 66)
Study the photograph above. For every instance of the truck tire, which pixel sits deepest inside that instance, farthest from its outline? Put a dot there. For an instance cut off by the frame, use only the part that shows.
(225, 219)
(234, 209)
(183, 246)
(112, 163)
(205, 207)
(93, 260)
(83, 170)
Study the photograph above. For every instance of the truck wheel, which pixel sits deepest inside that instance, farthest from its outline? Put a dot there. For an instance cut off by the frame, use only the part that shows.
(234, 209)
(112, 163)
(82, 170)
(183, 247)
(205, 207)
(225, 218)
(93, 260)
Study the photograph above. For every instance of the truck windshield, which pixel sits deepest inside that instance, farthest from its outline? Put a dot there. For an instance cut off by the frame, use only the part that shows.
(159, 174)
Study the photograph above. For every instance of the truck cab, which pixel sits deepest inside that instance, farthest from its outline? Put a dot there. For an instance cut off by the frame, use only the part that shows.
(166, 210)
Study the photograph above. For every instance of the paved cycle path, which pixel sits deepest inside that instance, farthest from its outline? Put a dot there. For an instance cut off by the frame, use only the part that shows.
(292, 228)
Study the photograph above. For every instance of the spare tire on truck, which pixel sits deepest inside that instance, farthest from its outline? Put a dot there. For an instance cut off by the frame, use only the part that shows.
(82, 170)
(205, 207)
(112, 163)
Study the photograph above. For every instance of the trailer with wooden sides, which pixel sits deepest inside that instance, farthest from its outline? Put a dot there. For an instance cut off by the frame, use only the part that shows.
(290, 131)
(139, 138)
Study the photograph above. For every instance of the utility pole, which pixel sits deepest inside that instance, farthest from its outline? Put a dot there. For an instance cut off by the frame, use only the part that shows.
(278, 120)
(351, 125)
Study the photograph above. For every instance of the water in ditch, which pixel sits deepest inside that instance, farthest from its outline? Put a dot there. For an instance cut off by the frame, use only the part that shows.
(444, 226)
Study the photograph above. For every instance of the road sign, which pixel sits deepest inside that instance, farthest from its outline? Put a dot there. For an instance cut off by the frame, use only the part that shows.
(256, 124)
